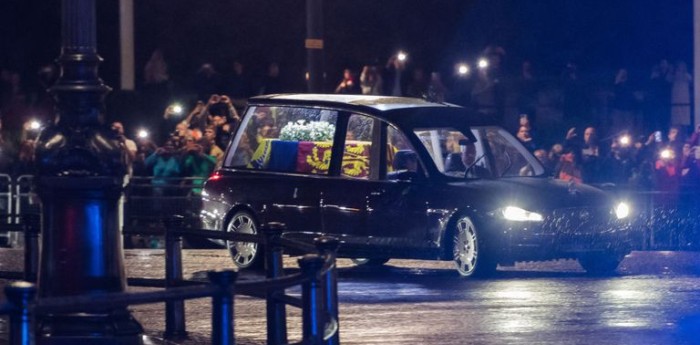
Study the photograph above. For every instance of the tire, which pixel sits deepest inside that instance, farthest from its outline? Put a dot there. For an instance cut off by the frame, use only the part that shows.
(244, 254)
(471, 260)
(600, 263)
(374, 262)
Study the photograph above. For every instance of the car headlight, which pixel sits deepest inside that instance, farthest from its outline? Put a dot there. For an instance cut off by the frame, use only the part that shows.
(519, 215)
(622, 210)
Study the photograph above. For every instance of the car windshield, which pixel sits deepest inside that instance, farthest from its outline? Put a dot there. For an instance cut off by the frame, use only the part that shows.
(489, 152)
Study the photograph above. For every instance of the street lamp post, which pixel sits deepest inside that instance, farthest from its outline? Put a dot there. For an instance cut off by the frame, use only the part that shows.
(314, 45)
(80, 174)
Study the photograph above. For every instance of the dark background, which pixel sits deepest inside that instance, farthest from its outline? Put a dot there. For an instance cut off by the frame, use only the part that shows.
(599, 35)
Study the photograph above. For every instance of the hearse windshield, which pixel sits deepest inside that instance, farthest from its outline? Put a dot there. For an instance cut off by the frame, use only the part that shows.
(490, 152)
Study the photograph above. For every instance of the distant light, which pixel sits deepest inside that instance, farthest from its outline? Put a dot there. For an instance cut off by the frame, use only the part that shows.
(625, 140)
(483, 63)
(34, 125)
(666, 154)
(401, 56)
(307, 76)
(142, 134)
(462, 69)
(622, 210)
(177, 108)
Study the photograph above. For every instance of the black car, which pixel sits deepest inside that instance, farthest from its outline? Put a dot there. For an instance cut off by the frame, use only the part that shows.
(405, 178)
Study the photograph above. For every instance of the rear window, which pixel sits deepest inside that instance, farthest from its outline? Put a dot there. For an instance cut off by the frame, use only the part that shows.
(284, 139)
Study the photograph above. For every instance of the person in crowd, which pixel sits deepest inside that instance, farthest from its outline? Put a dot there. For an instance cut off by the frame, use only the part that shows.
(237, 84)
(418, 86)
(618, 167)
(658, 98)
(543, 156)
(394, 76)
(271, 82)
(690, 166)
(591, 156)
(527, 90)
(555, 153)
(348, 85)
(624, 104)
(207, 82)
(210, 140)
(145, 147)
(524, 137)
(695, 137)
(569, 168)
(371, 81)
(197, 163)
(128, 145)
(166, 167)
(437, 91)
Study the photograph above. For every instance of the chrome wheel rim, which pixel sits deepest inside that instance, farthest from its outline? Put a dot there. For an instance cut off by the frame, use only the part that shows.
(242, 253)
(466, 249)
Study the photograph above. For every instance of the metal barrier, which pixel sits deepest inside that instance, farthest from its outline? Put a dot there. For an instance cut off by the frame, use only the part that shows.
(148, 201)
(318, 278)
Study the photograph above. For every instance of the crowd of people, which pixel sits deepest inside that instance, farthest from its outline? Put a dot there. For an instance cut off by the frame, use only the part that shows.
(660, 161)
(603, 147)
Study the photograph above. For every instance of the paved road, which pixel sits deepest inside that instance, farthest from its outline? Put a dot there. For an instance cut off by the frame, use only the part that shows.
(655, 299)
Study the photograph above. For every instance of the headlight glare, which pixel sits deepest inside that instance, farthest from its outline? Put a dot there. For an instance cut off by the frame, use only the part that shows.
(622, 210)
(519, 215)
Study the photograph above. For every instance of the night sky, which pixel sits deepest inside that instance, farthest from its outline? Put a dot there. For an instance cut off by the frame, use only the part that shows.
(599, 35)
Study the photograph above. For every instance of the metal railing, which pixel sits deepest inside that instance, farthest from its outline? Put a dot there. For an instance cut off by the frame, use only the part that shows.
(317, 277)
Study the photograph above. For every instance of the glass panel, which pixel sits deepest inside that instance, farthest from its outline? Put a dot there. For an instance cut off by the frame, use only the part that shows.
(402, 159)
(286, 139)
(358, 141)
(454, 154)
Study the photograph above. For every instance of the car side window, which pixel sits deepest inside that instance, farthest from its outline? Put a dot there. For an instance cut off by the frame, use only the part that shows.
(284, 139)
(358, 144)
(402, 159)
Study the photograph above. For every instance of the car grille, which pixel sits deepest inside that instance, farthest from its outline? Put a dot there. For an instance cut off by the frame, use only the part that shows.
(583, 220)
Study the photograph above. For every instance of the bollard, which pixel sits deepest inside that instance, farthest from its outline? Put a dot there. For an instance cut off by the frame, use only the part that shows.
(175, 326)
(328, 247)
(222, 307)
(312, 301)
(21, 295)
(274, 267)
(32, 228)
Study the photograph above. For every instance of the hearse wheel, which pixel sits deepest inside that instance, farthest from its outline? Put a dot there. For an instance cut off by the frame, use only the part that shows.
(470, 258)
(244, 254)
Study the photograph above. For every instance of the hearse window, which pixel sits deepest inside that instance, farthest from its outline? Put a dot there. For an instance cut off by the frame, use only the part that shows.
(358, 144)
(284, 139)
(402, 160)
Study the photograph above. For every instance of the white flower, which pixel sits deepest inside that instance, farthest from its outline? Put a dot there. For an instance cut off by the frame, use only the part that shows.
(312, 131)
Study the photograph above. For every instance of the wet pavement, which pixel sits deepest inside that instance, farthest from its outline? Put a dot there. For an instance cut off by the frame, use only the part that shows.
(654, 299)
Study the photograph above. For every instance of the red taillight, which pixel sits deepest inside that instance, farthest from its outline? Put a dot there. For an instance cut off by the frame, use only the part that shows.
(215, 176)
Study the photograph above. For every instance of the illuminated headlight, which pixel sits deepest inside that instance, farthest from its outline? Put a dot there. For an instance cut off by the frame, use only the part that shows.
(622, 210)
(519, 215)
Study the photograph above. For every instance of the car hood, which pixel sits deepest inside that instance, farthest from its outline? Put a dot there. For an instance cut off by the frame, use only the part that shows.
(532, 194)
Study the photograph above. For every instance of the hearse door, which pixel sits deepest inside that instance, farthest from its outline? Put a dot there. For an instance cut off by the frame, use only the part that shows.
(343, 200)
(396, 209)
(398, 216)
